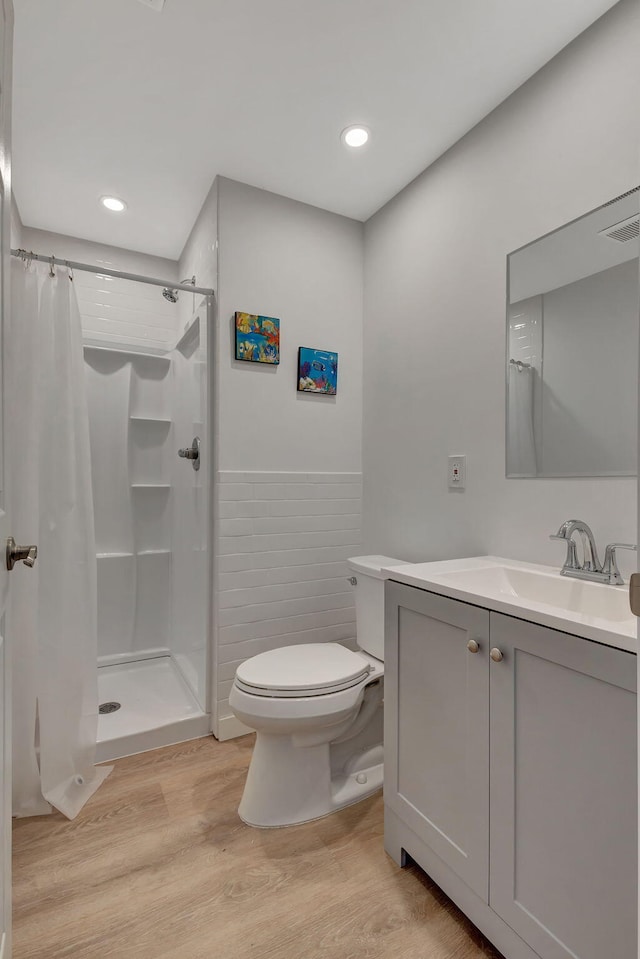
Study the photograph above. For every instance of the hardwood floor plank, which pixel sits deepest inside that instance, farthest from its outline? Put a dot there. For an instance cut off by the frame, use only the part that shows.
(158, 865)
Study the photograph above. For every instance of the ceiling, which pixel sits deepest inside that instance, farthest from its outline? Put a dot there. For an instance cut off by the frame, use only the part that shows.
(113, 97)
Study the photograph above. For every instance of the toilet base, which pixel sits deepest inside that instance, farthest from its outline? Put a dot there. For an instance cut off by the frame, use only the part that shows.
(287, 785)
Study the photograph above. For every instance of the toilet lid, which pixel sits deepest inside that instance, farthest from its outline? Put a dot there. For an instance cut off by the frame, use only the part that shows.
(308, 670)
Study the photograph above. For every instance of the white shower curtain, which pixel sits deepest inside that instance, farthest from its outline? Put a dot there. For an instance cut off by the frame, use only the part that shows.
(52, 612)
(521, 447)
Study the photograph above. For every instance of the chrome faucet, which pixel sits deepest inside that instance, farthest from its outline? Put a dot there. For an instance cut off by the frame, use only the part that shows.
(591, 567)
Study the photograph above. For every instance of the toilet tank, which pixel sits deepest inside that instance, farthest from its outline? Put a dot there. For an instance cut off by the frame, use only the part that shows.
(369, 588)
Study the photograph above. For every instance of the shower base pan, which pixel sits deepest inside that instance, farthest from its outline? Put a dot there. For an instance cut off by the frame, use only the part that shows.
(157, 708)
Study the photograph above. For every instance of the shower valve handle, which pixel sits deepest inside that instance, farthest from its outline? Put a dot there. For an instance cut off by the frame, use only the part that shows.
(192, 453)
(16, 554)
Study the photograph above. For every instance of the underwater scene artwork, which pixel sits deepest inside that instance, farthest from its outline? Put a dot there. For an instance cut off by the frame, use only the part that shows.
(257, 338)
(317, 371)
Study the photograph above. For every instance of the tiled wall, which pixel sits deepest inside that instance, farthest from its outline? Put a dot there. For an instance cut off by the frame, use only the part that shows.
(199, 257)
(283, 542)
(115, 312)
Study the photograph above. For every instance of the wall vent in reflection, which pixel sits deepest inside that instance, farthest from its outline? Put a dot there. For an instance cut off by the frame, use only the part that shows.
(623, 231)
(622, 196)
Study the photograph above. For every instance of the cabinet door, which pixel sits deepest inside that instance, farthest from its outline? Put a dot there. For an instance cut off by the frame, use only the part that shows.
(563, 792)
(437, 726)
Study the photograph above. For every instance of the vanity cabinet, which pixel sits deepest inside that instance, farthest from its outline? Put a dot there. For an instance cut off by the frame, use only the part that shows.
(513, 782)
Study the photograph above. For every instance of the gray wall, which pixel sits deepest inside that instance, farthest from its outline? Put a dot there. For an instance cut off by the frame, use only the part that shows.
(287, 259)
(434, 348)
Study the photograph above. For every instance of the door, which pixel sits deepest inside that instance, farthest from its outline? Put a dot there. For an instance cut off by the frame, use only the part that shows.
(563, 792)
(437, 726)
(6, 46)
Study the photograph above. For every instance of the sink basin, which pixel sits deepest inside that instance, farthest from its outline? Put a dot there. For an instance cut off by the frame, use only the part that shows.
(537, 593)
(574, 595)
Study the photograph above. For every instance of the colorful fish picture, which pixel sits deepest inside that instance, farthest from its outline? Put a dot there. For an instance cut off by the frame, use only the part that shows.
(317, 371)
(257, 338)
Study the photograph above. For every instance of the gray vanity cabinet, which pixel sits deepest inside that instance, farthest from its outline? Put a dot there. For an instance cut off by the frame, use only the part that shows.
(510, 774)
(563, 860)
(439, 706)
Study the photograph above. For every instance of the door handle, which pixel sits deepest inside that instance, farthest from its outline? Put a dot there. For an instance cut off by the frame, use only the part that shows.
(16, 554)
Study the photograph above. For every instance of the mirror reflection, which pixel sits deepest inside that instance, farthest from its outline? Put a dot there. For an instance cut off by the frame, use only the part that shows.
(572, 347)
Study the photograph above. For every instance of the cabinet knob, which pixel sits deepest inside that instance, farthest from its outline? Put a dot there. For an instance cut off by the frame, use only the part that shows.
(496, 655)
(473, 646)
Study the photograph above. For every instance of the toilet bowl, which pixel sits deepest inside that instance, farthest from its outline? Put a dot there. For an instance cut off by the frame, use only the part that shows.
(317, 712)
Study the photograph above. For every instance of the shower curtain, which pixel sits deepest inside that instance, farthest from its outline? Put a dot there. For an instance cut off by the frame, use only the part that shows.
(521, 446)
(52, 617)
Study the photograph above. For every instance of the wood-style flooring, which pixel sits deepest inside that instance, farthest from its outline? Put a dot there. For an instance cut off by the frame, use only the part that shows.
(159, 865)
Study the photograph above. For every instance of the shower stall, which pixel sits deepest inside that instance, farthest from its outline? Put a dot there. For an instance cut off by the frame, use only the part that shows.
(149, 421)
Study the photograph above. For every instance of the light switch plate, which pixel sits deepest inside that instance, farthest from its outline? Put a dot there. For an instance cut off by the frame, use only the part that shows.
(457, 471)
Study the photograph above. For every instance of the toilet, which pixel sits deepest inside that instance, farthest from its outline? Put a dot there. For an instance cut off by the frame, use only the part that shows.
(317, 712)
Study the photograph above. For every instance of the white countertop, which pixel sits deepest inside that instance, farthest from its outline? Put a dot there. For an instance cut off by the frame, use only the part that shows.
(528, 591)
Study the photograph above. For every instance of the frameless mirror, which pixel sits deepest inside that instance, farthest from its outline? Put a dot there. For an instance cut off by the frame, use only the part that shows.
(572, 347)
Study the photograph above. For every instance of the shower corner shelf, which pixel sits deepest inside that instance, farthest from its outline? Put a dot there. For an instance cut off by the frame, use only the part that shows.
(137, 354)
(166, 486)
(113, 555)
(153, 552)
(154, 420)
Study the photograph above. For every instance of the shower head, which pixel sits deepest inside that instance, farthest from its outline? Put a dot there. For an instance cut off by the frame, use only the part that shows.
(172, 295)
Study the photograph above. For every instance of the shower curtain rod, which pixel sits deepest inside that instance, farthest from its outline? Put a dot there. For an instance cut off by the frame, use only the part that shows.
(101, 270)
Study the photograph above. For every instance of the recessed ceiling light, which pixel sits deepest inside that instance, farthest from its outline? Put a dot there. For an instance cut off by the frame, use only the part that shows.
(113, 203)
(355, 136)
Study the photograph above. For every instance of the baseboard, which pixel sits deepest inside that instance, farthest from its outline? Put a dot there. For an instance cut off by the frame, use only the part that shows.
(228, 727)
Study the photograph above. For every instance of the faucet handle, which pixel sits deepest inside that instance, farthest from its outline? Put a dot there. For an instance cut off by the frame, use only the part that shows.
(610, 566)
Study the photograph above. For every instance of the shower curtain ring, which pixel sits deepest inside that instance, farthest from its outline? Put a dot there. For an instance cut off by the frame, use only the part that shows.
(69, 267)
(52, 261)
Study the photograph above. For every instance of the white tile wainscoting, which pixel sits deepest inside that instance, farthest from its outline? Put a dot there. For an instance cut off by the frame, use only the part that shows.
(283, 540)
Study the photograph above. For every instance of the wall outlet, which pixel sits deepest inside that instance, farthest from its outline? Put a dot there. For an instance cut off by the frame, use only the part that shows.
(457, 472)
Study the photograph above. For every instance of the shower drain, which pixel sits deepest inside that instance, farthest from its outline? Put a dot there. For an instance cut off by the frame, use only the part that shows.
(108, 707)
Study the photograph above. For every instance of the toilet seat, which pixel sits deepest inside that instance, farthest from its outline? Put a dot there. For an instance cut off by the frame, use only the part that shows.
(314, 669)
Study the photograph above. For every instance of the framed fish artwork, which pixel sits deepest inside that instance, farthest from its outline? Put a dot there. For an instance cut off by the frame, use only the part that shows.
(257, 338)
(317, 371)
